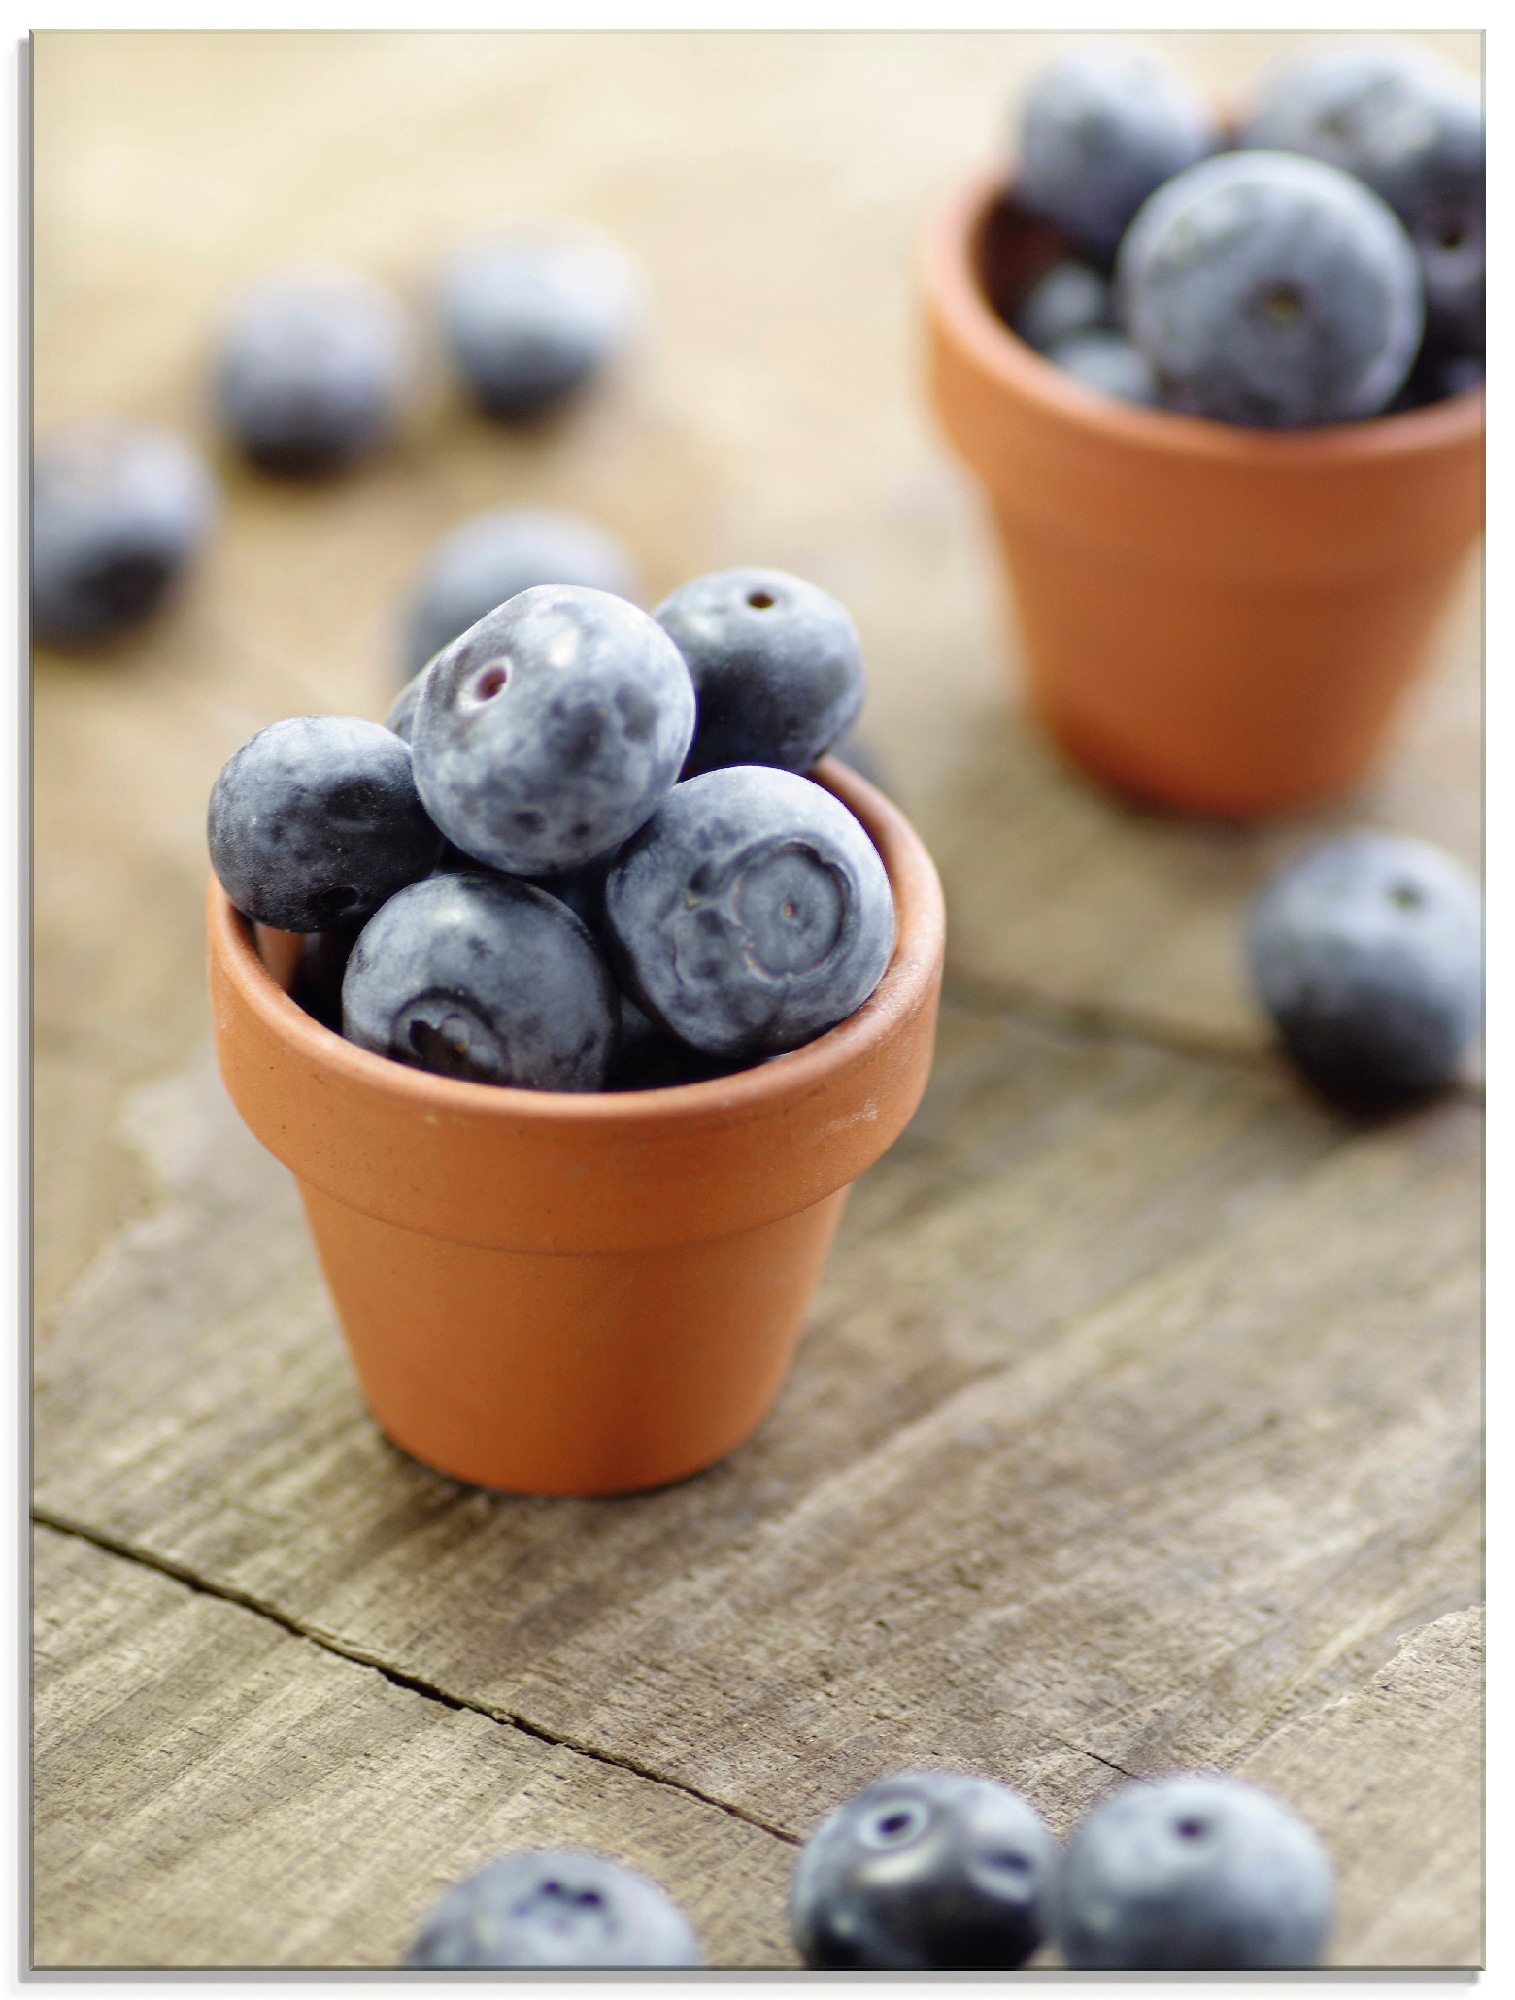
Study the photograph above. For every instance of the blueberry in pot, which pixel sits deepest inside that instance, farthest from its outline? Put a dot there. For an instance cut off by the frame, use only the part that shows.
(1194, 1873)
(483, 978)
(119, 510)
(1271, 290)
(549, 732)
(492, 556)
(1368, 954)
(316, 820)
(1412, 128)
(313, 371)
(533, 313)
(1100, 131)
(776, 667)
(1070, 298)
(1107, 362)
(750, 914)
(566, 1908)
(927, 1871)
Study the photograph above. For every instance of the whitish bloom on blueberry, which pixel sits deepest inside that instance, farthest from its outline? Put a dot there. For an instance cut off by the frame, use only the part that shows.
(532, 313)
(1070, 298)
(316, 820)
(544, 1909)
(313, 370)
(483, 978)
(550, 731)
(1194, 1873)
(1107, 362)
(119, 511)
(928, 1871)
(490, 557)
(1100, 131)
(1368, 954)
(1271, 290)
(776, 667)
(751, 913)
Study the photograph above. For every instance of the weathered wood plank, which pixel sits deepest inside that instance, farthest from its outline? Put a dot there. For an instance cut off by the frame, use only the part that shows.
(1395, 1769)
(213, 1791)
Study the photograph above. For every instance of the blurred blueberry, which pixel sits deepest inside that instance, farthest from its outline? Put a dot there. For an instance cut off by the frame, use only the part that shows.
(776, 667)
(492, 556)
(317, 819)
(1368, 954)
(928, 1871)
(550, 730)
(1194, 1874)
(1100, 131)
(483, 978)
(751, 913)
(534, 312)
(1070, 298)
(1411, 126)
(313, 370)
(1271, 290)
(118, 512)
(1107, 362)
(567, 1909)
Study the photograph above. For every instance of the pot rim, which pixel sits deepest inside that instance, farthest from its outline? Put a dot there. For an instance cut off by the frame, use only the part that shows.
(956, 295)
(914, 966)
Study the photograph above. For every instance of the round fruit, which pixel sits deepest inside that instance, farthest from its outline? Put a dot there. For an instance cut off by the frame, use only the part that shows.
(566, 1909)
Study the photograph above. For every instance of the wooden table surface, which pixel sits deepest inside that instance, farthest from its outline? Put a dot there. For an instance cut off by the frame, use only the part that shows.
(1137, 1423)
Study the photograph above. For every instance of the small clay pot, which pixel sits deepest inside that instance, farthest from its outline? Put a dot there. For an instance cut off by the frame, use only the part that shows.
(1216, 619)
(578, 1294)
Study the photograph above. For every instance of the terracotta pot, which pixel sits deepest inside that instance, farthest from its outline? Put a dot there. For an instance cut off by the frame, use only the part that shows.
(578, 1294)
(1215, 619)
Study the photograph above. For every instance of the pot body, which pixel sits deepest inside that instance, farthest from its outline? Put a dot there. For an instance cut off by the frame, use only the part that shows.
(1215, 619)
(578, 1294)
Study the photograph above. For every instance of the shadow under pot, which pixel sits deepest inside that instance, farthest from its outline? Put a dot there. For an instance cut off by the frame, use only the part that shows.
(1214, 619)
(587, 1293)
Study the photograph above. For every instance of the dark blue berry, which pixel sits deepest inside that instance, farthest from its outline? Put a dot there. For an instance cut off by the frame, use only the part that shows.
(492, 556)
(316, 820)
(1412, 128)
(564, 1909)
(751, 913)
(484, 978)
(118, 512)
(1107, 362)
(1100, 131)
(1070, 298)
(1271, 290)
(1368, 954)
(1194, 1874)
(928, 1871)
(313, 371)
(550, 730)
(776, 667)
(532, 314)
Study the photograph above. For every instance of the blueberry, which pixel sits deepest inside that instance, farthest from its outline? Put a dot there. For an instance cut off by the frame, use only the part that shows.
(492, 556)
(312, 371)
(484, 978)
(650, 1059)
(928, 1871)
(776, 667)
(751, 913)
(1271, 290)
(317, 819)
(1412, 128)
(118, 511)
(1368, 954)
(534, 312)
(1070, 298)
(1101, 130)
(550, 730)
(1107, 362)
(1194, 1874)
(568, 1909)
